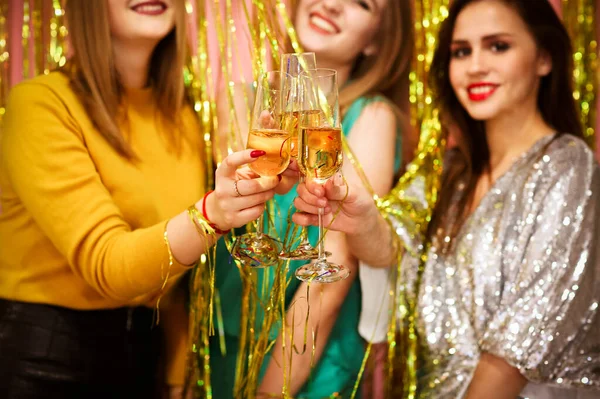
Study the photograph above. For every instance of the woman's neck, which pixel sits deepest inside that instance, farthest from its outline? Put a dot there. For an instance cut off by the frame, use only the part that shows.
(132, 62)
(510, 136)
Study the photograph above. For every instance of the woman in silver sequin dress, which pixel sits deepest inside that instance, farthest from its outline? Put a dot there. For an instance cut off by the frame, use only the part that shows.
(507, 299)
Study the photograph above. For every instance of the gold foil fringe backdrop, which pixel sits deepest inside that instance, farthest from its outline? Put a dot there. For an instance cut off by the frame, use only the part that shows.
(579, 17)
(43, 41)
(44, 48)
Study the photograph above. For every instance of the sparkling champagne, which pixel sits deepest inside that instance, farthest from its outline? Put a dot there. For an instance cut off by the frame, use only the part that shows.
(293, 120)
(322, 154)
(276, 144)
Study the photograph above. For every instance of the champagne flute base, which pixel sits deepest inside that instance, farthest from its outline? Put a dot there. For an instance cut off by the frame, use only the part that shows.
(322, 272)
(256, 252)
(302, 252)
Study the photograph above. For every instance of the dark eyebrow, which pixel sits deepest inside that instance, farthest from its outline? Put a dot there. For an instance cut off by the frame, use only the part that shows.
(486, 38)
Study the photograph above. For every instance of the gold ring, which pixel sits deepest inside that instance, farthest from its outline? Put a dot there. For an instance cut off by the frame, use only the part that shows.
(235, 188)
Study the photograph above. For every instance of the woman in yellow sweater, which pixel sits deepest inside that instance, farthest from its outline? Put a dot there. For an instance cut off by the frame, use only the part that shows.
(99, 162)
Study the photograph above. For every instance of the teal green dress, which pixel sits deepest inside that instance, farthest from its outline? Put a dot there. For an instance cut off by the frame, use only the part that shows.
(338, 367)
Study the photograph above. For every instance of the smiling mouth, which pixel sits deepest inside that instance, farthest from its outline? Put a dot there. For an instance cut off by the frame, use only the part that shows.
(150, 8)
(481, 92)
(323, 25)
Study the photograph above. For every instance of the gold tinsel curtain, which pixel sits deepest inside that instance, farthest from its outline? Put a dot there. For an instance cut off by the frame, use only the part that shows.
(43, 43)
(43, 40)
(579, 17)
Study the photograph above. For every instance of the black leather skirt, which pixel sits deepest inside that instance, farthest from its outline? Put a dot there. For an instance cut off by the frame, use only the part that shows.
(53, 352)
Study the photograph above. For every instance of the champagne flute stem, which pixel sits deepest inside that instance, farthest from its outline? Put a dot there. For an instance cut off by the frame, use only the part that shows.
(304, 230)
(321, 241)
(259, 227)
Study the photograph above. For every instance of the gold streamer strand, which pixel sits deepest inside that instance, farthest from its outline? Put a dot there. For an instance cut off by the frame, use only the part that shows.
(243, 83)
(579, 18)
(289, 27)
(202, 283)
(202, 289)
(236, 143)
(25, 36)
(39, 48)
(226, 68)
(4, 58)
(269, 25)
(163, 276)
(58, 34)
(201, 87)
(258, 36)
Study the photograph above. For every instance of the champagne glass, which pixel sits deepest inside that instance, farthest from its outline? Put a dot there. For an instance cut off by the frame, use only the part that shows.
(266, 133)
(295, 64)
(320, 156)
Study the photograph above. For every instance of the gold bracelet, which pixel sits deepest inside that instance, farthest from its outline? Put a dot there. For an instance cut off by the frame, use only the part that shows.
(165, 278)
(202, 226)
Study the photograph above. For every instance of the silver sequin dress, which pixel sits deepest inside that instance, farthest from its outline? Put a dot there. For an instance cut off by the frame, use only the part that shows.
(523, 282)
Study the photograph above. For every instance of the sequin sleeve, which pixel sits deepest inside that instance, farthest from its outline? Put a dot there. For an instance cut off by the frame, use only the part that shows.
(405, 209)
(547, 323)
(407, 206)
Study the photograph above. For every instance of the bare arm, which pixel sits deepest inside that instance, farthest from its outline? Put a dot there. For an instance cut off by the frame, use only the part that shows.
(495, 379)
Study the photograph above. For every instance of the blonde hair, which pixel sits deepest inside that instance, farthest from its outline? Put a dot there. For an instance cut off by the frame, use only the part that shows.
(94, 77)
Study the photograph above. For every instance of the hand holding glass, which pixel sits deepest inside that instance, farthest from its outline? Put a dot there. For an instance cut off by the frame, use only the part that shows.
(266, 133)
(295, 64)
(320, 157)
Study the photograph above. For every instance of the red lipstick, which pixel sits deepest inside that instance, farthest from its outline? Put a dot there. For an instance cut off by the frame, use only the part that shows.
(481, 91)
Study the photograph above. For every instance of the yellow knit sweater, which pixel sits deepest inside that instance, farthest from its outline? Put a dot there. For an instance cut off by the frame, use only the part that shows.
(81, 226)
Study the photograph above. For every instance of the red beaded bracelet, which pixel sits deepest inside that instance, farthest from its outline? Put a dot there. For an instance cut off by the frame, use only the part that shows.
(211, 224)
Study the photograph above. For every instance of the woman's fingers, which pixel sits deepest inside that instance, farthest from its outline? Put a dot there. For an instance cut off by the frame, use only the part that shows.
(335, 190)
(305, 219)
(249, 214)
(292, 170)
(310, 197)
(247, 187)
(303, 206)
(265, 120)
(249, 201)
(232, 162)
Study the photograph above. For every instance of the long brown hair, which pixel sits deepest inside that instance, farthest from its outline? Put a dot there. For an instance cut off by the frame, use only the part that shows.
(386, 72)
(95, 79)
(555, 102)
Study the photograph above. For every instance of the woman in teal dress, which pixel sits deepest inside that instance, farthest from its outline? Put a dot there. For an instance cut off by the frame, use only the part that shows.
(372, 95)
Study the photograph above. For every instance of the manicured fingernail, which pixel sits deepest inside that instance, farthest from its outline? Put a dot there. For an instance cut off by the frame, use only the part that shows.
(279, 177)
(257, 153)
(322, 203)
